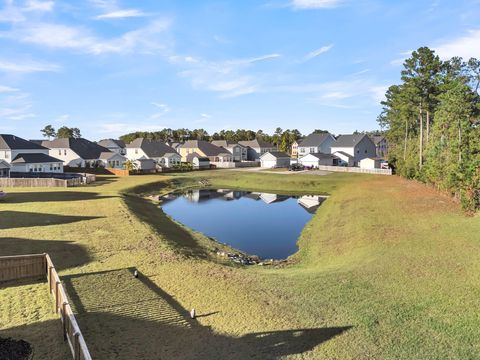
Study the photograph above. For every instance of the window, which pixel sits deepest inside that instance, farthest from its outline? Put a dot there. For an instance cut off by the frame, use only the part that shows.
(302, 150)
(59, 151)
(312, 149)
(136, 151)
(65, 152)
(365, 151)
(6, 154)
(51, 167)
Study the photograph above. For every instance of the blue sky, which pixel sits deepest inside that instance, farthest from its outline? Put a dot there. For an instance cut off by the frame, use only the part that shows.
(113, 66)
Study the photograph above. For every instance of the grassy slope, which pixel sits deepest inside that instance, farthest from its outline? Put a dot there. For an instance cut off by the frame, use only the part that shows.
(389, 261)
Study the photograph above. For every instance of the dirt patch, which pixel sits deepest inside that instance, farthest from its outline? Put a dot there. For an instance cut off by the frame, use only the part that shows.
(11, 349)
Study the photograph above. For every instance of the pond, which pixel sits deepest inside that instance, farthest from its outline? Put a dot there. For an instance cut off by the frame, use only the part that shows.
(263, 224)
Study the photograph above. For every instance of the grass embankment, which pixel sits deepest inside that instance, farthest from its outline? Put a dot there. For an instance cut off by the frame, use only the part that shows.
(387, 268)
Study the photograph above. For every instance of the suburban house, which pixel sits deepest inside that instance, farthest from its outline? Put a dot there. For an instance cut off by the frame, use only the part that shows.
(341, 158)
(161, 153)
(76, 152)
(238, 151)
(116, 146)
(358, 146)
(274, 159)
(295, 149)
(381, 145)
(316, 159)
(112, 160)
(4, 169)
(145, 164)
(198, 162)
(316, 143)
(256, 148)
(25, 156)
(203, 148)
(371, 163)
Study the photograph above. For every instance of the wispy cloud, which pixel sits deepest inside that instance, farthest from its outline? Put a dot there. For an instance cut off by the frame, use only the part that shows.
(163, 109)
(315, 4)
(7, 89)
(62, 118)
(466, 46)
(28, 67)
(36, 5)
(123, 128)
(206, 116)
(318, 52)
(59, 36)
(401, 59)
(121, 14)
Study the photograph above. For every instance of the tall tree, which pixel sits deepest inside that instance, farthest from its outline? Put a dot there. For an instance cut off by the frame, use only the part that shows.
(48, 132)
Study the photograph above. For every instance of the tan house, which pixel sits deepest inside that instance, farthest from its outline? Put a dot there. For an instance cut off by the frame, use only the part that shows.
(203, 148)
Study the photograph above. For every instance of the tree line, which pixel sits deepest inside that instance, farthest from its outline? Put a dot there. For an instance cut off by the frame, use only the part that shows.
(432, 124)
(64, 132)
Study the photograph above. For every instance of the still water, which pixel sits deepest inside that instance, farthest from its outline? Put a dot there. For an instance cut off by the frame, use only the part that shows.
(262, 224)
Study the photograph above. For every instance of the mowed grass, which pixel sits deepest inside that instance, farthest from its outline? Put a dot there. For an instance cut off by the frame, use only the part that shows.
(387, 268)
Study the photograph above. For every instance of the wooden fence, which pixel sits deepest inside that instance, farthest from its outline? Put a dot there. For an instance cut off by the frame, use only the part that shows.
(354, 169)
(35, 182)
(41, 266)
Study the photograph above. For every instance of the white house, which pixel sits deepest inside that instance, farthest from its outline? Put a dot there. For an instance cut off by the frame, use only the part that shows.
(315, 143)
(76, 152)
(256, 148)
(238, 151)
(359, 146)
(371, 163)
(161, 153)
(112, 160)
(26, 156)
(116, 146)
(4, 169)
(274, 159)
(316, 159)
(198, 162)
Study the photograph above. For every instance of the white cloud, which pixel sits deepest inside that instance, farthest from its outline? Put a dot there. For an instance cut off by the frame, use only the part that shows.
(255, 59)
(123, 128)
(62, 118)
(315, 4)
(36, 5)
(7, 89)
(206, 116)
(466, 46)
(28, 67)
(121, 14)
(164, 109)
(315, 53)
(401, 59)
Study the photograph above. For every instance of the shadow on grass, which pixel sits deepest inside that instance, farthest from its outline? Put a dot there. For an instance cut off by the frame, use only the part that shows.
(123, 317)
(48, 196)
(18, 219)
(103, 180)
(64, 254)
(175, 235)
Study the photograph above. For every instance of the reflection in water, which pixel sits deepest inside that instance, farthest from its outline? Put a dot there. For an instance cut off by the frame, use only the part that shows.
(263, 224)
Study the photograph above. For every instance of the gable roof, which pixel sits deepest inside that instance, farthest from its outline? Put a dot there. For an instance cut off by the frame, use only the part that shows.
(314, 139)
(257, 143)
(152, 148)
(33, 158)
(84, 148)
(194, 155)
(107, 155)
(225, 143)
(277, 154)
(4, 164)
(111, 143)
(12, 142)
(343, 153)
(207, 148)
(377, 138)
(348, 140)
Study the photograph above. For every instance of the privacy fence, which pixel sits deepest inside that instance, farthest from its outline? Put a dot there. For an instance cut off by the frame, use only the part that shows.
(39, 266)
(355, 170)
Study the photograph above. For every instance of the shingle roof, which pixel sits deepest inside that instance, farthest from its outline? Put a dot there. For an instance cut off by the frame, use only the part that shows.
(314, 139)
(343, 153)
(191, 156)
(107, 155)
(31, 158)
(4, 164)
(377, 138)
(321, 155)
(278, 154)
(348, 140)
(109, 143)
(12, 142)
(224, 143)
(84, 148)
(152, 148)
(204, 146)
(257, 143)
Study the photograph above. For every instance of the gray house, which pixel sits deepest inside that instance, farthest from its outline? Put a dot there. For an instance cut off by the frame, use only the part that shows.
(116, 146)
(357, 146)
(316, 143)
(76, 152)
(256, 148)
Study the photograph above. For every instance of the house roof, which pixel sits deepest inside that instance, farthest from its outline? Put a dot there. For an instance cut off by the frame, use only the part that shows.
(112, 143)
(4, 164)
(376, 158)
(343, 153)
(31, 158)
(152, 148)
(257, 143)
(224, 143)
(277, 154)
(191, 156)
(314, 139)
(84, 148)
(377, 138)
(348, 140)
(12, 142)
(107, 155)
(321, 155)
(204, 146)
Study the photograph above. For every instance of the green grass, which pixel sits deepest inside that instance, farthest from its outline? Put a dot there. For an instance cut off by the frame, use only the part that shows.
(387, 268)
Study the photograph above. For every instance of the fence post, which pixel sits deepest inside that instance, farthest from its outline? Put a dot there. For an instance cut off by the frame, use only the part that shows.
(64, 320)
(50, 279)
(57, 283)
(76, 346)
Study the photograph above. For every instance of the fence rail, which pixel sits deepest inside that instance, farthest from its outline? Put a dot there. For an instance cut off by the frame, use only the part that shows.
(41, 266)
(355, 170)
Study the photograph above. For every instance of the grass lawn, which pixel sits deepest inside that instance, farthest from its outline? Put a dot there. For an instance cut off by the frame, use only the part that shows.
(387, 268)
